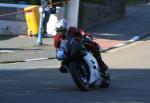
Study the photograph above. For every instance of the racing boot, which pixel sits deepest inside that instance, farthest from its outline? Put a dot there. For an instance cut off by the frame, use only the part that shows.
(62, 68)
(103, 69)
(105, 76)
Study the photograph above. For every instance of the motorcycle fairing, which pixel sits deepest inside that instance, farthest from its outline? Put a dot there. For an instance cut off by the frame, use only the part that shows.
(93, 67)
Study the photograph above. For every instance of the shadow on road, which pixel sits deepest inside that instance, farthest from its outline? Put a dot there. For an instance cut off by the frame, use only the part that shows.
(48, 85)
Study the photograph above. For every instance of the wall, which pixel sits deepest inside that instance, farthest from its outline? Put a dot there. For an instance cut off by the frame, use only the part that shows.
(92, 14)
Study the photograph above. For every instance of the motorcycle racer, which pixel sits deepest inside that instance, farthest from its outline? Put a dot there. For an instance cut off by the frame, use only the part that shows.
(64, 32)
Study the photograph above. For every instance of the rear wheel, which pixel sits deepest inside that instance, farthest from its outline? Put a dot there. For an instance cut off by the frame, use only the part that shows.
(80, 74)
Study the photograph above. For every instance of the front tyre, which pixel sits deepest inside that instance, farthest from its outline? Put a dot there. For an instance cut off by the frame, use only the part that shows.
(80, 74)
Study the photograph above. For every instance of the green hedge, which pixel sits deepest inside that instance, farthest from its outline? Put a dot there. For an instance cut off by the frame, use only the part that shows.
(102, 1)
(131, 1)
(94, 1)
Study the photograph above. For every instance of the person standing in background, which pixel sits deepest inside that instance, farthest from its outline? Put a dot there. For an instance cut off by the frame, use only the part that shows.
(51, 25)
(46, 11)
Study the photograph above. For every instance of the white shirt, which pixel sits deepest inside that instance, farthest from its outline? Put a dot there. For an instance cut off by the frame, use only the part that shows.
(51, 25)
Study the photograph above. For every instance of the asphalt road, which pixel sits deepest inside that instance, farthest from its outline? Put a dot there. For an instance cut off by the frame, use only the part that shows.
(41, 82)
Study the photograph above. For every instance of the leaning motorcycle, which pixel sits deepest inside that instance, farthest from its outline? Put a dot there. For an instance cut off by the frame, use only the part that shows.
(81, 64)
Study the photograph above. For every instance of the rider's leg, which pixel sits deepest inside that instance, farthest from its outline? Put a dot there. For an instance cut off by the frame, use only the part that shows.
(95, 48)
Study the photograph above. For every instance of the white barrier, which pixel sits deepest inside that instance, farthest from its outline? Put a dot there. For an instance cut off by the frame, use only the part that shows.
(12, 27)
(12, 20)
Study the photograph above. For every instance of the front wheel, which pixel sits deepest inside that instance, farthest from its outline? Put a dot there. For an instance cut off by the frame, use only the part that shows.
(80, 74)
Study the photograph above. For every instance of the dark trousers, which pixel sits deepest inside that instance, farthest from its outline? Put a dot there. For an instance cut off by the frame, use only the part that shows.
(45, 21)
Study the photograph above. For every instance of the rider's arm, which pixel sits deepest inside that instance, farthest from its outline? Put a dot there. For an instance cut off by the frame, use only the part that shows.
(57, 41)
(87, 38)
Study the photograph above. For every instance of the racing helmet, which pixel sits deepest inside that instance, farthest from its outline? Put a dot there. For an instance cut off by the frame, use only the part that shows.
(61, 26)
